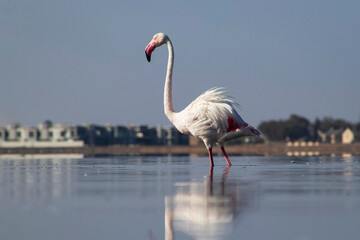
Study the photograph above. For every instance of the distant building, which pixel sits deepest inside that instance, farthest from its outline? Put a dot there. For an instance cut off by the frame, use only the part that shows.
(333, 136)
(347, 136)
(120, 135)
(44, 133)
(143, 135)
(171, 136)
(59, 135)
(96, 135)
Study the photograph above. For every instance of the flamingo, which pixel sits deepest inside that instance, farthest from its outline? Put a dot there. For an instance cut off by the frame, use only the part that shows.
(211, 117)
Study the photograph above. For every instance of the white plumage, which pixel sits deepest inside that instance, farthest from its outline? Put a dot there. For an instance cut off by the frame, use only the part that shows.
(207, 116)
(211, 116)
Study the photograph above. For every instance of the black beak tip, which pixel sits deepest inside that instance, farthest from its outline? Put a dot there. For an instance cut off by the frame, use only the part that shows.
(148, 57)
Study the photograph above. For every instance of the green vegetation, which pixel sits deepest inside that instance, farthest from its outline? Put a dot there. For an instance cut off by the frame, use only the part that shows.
(300, 128)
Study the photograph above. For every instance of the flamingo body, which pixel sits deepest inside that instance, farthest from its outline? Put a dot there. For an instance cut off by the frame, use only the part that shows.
(212, 116)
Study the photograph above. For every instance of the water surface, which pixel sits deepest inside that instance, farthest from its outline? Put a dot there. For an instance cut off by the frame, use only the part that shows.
(180, 197)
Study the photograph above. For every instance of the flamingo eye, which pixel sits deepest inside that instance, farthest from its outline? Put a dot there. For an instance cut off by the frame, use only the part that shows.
(155, 37)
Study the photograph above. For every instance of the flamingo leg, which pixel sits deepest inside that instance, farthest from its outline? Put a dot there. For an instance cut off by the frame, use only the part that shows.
(211, 170)
(210, 185)
(211, 157)
(226, 156)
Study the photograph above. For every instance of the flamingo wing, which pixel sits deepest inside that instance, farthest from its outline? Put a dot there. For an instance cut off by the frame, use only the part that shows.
(210, 116)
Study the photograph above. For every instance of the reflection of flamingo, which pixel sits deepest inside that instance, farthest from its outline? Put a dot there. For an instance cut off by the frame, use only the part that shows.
(210, 117)
(206, 210)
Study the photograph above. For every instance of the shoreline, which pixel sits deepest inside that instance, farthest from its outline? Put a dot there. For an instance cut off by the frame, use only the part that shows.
(263, 149)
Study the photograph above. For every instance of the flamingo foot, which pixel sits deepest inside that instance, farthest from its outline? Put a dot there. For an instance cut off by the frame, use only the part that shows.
(226, 156)
(211, 157)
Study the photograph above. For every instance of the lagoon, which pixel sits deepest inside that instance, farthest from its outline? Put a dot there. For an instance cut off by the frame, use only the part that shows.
(180, 198)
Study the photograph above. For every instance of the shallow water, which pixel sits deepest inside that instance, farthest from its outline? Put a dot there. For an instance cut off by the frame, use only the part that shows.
(163, 197)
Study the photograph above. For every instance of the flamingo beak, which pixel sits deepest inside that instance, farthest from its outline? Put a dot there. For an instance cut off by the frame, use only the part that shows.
(149, 49)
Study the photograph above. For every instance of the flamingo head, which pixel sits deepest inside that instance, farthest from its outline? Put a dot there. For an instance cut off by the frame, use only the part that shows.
(158, 40)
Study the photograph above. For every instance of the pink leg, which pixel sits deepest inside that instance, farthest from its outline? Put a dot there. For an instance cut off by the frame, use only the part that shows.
(211, 157)
(211, 170)
(226, 171)
(210, 185)
(226, 156)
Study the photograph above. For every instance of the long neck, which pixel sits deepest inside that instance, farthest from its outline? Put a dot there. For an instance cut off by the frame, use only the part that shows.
(168, 105)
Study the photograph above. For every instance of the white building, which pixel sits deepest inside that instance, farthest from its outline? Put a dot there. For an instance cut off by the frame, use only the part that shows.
(333, 136)
(57, 136)
(347, 136)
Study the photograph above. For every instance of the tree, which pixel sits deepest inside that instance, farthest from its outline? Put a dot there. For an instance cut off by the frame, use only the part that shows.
(297, 127)
(48, 123)
(329, 122)
(357, 127)
(273, 130)
(16, 125)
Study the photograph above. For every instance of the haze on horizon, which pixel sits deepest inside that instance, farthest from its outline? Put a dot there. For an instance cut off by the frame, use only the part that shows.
(83, 61)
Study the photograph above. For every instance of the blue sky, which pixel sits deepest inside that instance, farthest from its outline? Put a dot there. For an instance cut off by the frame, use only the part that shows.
(83, 61)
